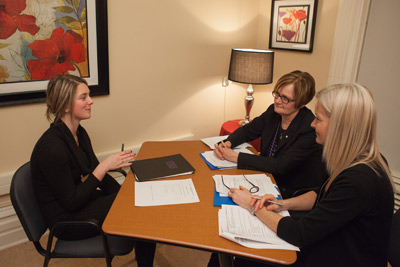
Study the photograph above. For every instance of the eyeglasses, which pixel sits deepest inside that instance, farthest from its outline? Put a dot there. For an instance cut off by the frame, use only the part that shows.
(283, 98)
(253, 189)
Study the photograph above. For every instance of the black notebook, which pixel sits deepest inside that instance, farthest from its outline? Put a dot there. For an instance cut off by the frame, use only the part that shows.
(156, 168)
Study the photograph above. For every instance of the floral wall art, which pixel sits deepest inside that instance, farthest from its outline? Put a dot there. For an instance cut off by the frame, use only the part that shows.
(292, 24)
(40, 39)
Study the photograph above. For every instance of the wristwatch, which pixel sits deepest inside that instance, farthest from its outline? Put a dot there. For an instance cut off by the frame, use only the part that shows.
(252, 210)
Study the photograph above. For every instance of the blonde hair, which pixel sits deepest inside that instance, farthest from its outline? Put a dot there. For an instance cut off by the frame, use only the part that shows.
(60, 94)
(304, 86)
(351, 136)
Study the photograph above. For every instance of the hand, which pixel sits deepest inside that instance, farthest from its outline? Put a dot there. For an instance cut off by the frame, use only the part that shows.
(223, 151)
(242, 197)
(115, 161)
(119, 160)
(264, 203)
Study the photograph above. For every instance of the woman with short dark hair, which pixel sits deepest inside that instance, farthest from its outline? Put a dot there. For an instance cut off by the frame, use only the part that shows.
(288, 148)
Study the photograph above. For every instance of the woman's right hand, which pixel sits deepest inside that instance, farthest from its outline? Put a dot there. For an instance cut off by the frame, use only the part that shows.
(269, 206)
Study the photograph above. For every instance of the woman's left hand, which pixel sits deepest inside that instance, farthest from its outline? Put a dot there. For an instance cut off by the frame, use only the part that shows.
(241, 196)
(224, 152)
(119, 160)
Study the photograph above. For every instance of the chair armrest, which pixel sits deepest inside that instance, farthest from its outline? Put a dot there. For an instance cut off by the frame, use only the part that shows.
(120, 170)
(92, 222)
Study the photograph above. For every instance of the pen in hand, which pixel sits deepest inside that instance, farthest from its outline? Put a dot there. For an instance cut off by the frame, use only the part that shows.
(122, 149)
(270, 201)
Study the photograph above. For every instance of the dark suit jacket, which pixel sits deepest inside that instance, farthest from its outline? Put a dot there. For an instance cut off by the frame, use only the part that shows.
(57, 166)
(297, 163)
(350, 223)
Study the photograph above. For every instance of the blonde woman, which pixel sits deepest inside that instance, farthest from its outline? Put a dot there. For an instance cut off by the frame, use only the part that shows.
(349, 218)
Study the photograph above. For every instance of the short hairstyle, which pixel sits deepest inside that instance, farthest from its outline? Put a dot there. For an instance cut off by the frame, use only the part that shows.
(60, 94)
(351, 136)
(304, 86)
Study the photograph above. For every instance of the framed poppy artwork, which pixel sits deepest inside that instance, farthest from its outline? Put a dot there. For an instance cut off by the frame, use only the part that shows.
(292, 24)
(40, 39)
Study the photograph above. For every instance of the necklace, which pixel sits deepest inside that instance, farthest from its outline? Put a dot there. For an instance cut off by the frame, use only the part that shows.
(281, 132)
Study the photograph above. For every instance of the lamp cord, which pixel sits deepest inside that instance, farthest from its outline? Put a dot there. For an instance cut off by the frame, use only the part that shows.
(225, 104)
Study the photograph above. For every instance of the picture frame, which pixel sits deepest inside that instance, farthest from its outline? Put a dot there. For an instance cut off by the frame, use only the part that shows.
(96, 56)
(292, 24)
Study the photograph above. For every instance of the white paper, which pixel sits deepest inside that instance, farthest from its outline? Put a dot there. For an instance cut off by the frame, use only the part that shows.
(214, 160)
(156, 193)
(211, 141)
(263, 181)
(238, 225)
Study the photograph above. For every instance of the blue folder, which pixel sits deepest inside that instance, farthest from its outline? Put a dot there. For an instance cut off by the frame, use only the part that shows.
(218, 200)
(225, 200)
(211, 166)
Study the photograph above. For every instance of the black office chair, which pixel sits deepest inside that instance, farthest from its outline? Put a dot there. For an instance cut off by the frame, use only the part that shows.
(26, 206)
(394, 243)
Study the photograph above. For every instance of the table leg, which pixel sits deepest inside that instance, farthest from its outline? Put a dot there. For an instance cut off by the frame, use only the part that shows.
(225, 260)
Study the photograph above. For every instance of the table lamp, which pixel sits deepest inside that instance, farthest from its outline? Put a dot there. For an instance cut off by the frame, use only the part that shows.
(251, 66)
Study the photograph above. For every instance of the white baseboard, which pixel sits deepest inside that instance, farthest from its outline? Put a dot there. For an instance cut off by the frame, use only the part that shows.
(11, 232)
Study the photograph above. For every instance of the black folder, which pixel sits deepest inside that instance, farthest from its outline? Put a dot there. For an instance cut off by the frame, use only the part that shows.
(162, 167)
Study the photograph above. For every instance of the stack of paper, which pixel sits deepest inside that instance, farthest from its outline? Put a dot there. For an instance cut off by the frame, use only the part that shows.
(262, 181)
(238, 225)
(212, 141)
(156, 193)
(215, 163)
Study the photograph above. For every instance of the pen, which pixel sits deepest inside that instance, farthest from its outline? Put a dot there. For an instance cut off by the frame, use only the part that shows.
(270, 201)
(122, 147)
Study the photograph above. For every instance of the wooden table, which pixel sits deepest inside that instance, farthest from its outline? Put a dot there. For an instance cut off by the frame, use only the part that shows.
(192, 225)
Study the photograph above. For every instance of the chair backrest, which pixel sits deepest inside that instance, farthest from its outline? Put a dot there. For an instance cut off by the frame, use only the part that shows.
(25, 204)
(394, 244)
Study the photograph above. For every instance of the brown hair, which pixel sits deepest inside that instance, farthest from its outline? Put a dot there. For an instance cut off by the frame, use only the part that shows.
(304, 86)
(60, 94)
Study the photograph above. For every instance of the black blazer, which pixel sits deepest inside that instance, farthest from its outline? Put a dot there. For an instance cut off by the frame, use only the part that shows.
(58, 165)
(350, 224)
(297, 163)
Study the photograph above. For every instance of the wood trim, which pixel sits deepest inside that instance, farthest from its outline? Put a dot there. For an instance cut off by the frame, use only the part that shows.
(351, 24)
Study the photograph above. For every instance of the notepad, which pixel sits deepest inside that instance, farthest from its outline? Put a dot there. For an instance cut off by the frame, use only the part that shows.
(162, 167)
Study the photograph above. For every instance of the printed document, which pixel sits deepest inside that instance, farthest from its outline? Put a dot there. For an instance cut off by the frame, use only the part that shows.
(166, 192)
(216, 162)
(262, 181)
(211, 141)
(238, 225)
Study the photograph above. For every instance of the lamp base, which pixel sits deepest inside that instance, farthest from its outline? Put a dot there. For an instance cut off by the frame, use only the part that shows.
(243, 122)
(248, 103)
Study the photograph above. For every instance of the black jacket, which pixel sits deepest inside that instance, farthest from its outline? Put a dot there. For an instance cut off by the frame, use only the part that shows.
(350, 224)
(297, 163)
(58, 165)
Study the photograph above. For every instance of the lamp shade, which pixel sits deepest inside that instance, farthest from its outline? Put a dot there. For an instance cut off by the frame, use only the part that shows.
(251, 66)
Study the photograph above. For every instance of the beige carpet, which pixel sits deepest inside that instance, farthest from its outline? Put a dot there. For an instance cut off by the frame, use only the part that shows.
(166, 256)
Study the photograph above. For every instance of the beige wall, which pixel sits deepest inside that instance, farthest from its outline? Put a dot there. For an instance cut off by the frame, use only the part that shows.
(167, 59)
